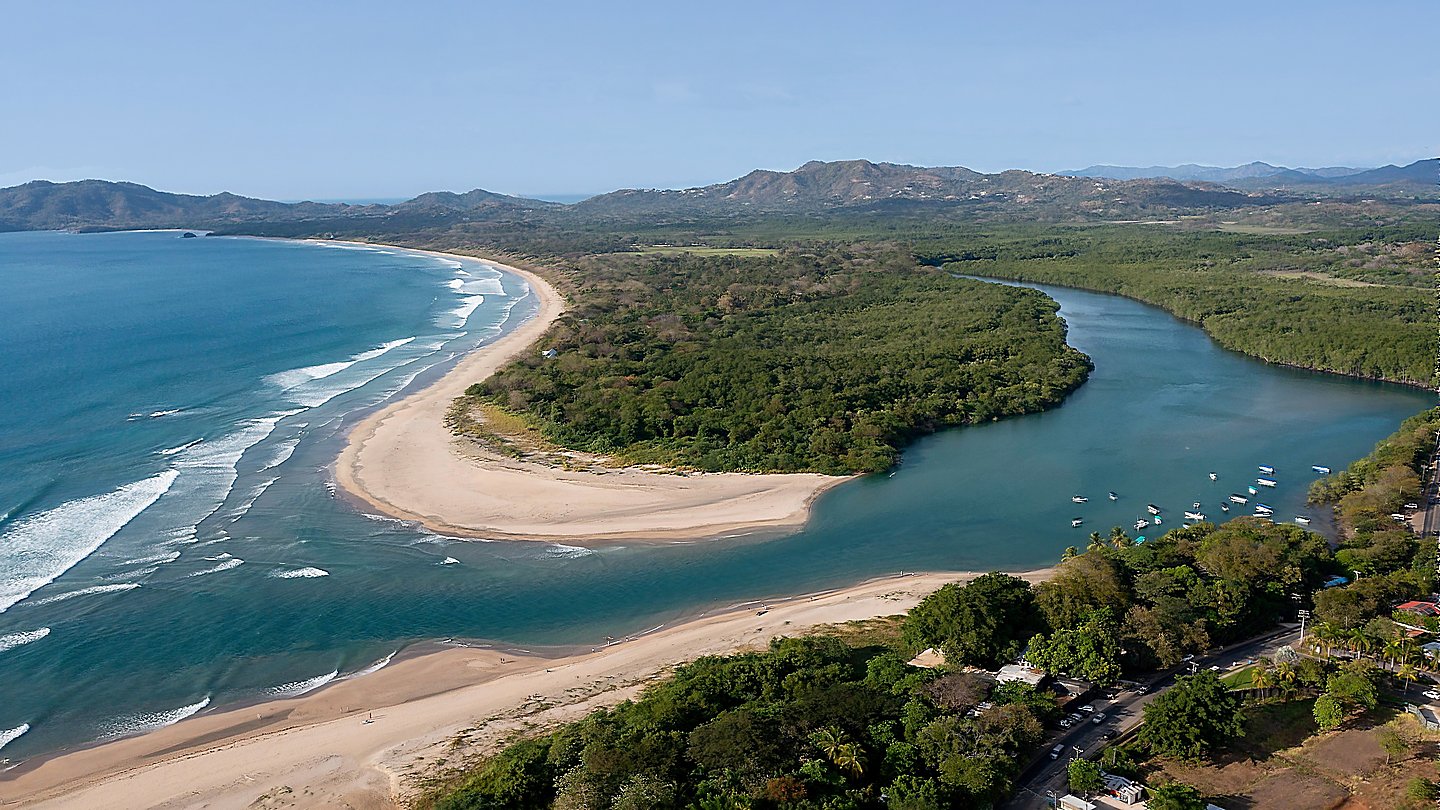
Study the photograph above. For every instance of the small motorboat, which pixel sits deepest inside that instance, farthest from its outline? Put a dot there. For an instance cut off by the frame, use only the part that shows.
(1267, 469)
(1079, 498)
(1114, 497)
(1195, 505)
(1302, 520)
(1152, 509)
(1214, 477)
(1196, 516)
(1157, 520)
(1265, 482)
(1077, 521)
(1320, 468)
(1260, 507)
(1252, 490)
(1141, 524)
(1240, 498)
(1224, 507)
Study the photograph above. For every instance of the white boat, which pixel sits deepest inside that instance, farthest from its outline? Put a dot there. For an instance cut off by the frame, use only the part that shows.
(1152, 509)
(1079, 498)
(1260, 507)
(1214, 477)
(1253, 490)
(1267, 469)
(1224, 507)
(1239, 499)
(1194, 516)
(1114, 497)
(1303, 521)
(1077, 521)
(1195, 505)
(1157, 520)
(1320, 468)
(1141, 524)
(1265, 482)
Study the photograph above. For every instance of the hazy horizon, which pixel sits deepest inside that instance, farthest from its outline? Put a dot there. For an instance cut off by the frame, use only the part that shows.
(288, 102)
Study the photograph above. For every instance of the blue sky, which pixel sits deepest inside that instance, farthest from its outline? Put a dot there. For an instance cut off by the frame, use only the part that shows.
(347, 100)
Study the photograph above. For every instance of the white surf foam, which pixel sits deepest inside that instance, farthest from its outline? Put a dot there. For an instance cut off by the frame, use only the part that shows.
(308, 572)
(559, 550)
(182, 448)
(162, 557)
(61, 597)
(462, 313)
(233, 562)
(36, 550)
(208, 470)
(373, 668)
(283, 451)
(249, 501)
(10, 735)
(455, 283)
(10, 641)
(297, 688)
(296, 377)
(485, 286)
(149, 721)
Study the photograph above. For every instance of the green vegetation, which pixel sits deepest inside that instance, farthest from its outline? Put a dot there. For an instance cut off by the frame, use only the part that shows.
(1394, 565)
(810, 723)
(1194, 718)
(1242, 289)
(1174, 595)
(825, 361)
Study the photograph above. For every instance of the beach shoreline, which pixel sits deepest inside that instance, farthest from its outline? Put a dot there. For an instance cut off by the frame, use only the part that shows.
(375, 741)
(404, 461)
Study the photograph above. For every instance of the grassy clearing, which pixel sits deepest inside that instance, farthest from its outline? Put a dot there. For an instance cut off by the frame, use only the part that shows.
(704, 250)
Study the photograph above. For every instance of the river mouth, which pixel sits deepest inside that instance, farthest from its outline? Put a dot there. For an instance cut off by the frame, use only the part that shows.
(325, 591)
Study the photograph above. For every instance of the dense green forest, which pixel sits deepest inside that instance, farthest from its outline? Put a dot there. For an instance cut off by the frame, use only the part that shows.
(818, 723)
(1392, 563)
(824, 360)
(1335, 301)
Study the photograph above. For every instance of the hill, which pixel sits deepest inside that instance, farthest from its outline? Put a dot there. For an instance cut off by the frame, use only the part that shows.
(106, 205)
(819, 185)
(1416, 179)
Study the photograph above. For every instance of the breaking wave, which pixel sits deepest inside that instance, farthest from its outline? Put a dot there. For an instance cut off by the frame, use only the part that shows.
(10, 641)
(142, 722)
(10, 735)
(61, 597)
(36, 550)
(233, 562)
(308, 572)
(297, 688)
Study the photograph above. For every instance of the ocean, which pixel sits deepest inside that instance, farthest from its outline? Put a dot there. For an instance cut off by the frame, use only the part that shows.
(171, 541)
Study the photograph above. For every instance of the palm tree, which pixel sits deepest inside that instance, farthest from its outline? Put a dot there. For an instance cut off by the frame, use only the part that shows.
(1324, 636)
(1285, 676)
(1070, 551)
(1096, 542)
(829, 740)
(1409, 674)
(1262, 678)
(1119, 539)
(849, 757)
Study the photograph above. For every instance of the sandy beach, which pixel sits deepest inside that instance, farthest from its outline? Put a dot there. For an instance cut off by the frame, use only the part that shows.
(404, 462)
(319, 749)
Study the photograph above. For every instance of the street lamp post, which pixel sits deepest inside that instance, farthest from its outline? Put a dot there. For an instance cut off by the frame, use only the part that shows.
(1304, 614)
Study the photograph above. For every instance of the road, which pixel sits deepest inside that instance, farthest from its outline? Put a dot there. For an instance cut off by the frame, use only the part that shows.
(1429, 523)
(1123, 714)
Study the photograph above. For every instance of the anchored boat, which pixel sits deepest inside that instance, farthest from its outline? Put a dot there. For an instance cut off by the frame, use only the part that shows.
(1152, 509)
(1320, 468)
(1079, 498)
(1077, 521)
(1194, 516)
(1267, 469)
(1265, 482)
(1240, 498)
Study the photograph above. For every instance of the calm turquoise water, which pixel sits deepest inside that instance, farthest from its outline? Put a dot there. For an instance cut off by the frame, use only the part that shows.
(145, 577)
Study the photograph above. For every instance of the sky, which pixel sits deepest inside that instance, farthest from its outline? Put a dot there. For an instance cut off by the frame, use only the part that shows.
(361, 100)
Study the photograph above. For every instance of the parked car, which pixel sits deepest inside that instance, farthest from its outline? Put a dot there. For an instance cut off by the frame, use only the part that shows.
(1057, 751)
(1088, 708)
(1108, 735)
(1066, 722)
(1098, 718)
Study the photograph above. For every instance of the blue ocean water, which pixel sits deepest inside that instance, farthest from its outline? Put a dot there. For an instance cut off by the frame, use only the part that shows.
(171, 539)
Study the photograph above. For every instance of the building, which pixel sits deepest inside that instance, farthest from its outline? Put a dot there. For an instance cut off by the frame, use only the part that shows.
(1071, 802)
(1126, 791)
(1023, 674)
(1419, 608)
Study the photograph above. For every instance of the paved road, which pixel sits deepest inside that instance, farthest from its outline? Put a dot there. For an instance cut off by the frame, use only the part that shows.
(1430, 523)
(1123, 713)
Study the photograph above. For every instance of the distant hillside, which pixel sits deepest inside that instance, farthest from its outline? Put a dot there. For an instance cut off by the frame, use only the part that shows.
(1420, 178)
(105, 205)
(849, 183)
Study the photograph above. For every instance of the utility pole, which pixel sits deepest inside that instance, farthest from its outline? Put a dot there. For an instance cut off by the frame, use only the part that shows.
(1304, 614)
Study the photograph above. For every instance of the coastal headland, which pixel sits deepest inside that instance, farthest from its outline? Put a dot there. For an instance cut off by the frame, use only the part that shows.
(374, 741)
(405, 462)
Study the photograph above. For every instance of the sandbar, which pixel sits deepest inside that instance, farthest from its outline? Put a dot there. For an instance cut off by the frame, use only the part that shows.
(405, 462)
